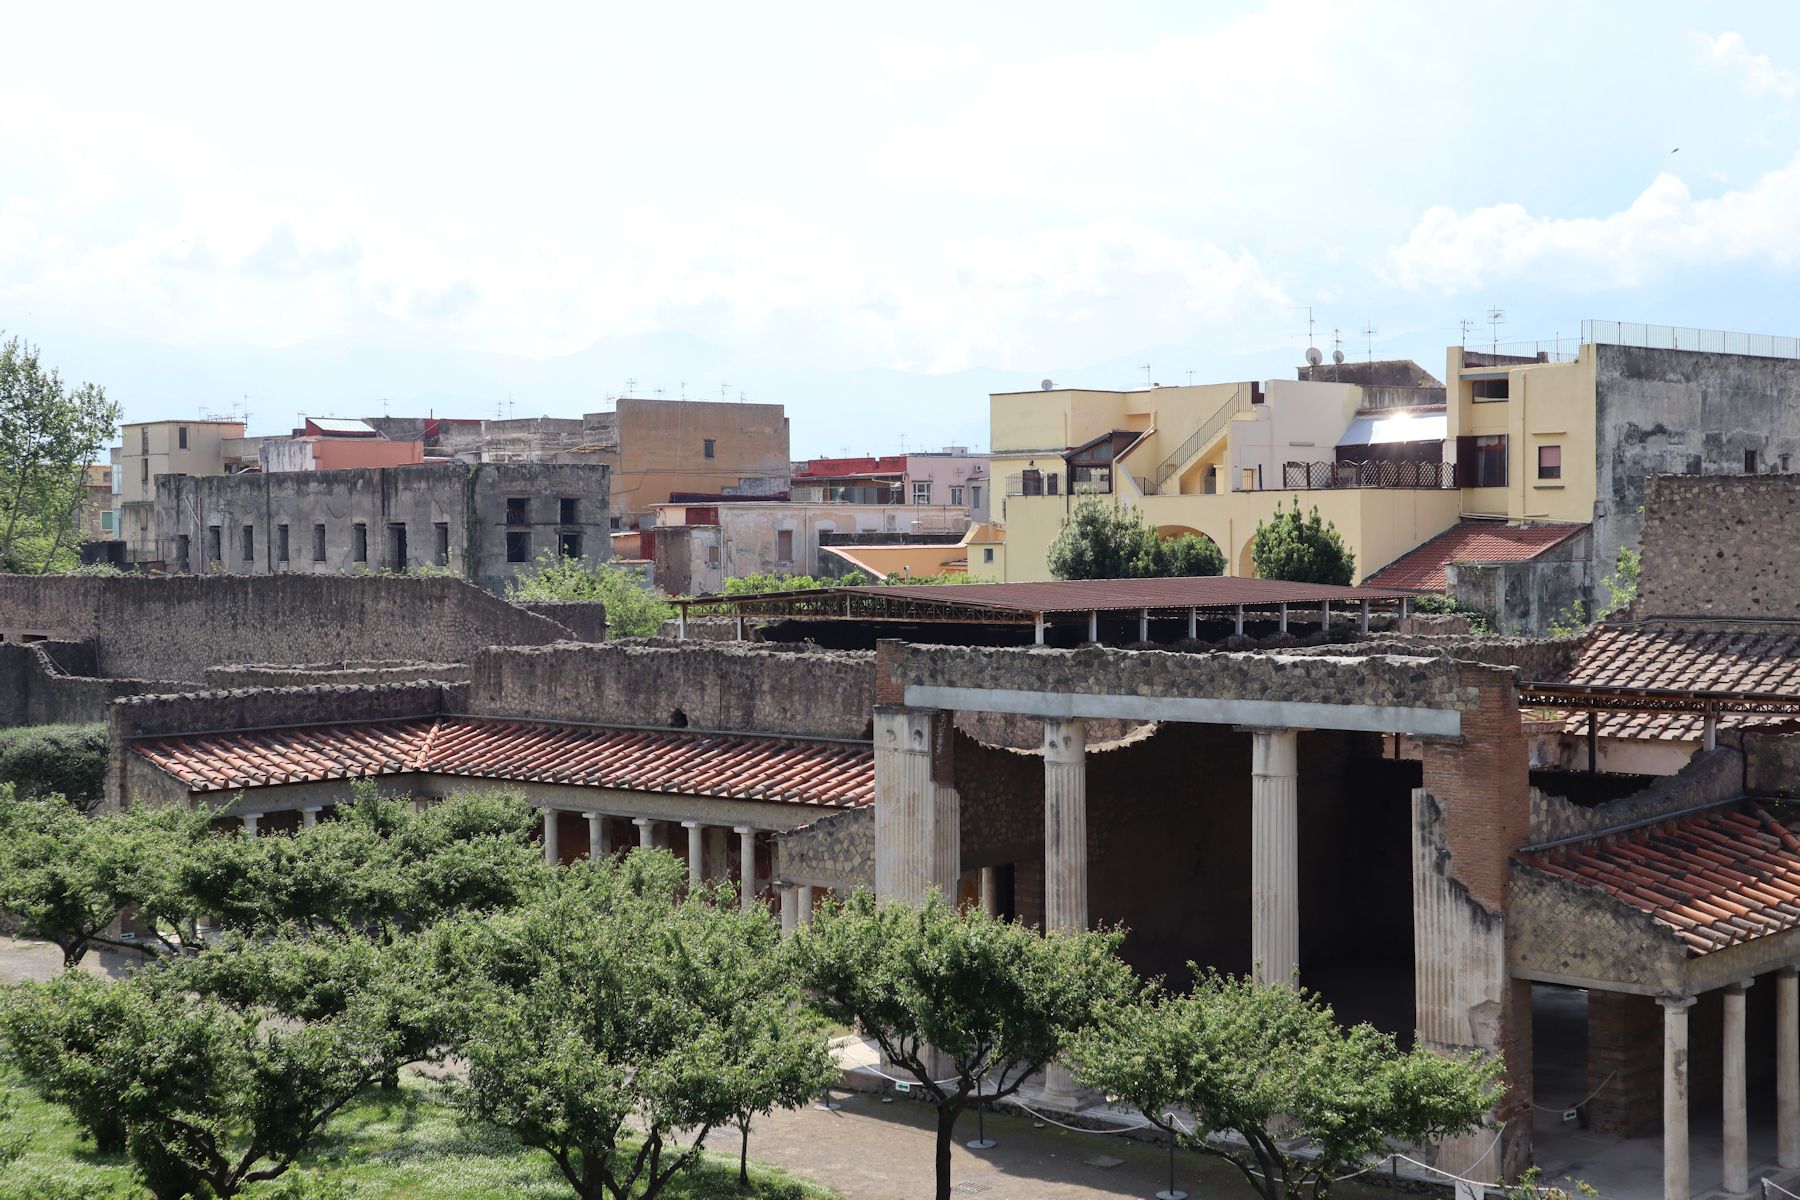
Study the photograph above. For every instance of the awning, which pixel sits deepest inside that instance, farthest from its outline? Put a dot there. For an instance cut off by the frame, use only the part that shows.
(1379, 431)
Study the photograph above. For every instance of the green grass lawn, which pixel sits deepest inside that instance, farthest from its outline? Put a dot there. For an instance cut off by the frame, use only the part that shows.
(405, 1145)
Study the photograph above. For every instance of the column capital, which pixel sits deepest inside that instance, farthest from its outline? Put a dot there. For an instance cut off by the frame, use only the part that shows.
(1790, 970)
(693, 825)
(1741, 985)
(1065, 741)
(1676, 1003)
(547, 808)
(743, 830)
(312, 808)
(640, 822)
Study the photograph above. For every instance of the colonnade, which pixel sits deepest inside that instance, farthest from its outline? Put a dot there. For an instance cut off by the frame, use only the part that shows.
(1677, 1164)
(655, 831)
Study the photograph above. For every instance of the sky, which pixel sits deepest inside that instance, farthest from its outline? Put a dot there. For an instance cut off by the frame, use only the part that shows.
(873, 215)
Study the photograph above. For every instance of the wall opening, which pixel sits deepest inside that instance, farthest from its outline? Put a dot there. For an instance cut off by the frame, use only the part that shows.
(397, 546)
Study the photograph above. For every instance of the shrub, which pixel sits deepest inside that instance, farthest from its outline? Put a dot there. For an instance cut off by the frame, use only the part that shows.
(64, 760)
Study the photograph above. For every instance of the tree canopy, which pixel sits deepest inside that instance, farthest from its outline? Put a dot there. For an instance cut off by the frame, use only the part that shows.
(632, 610)
(966, 1004)
(1109, 541)
(1271, 1064)
(49, 434)
(1301, 549)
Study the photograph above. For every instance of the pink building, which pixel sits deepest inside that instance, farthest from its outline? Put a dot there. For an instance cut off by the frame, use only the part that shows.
(951, 477)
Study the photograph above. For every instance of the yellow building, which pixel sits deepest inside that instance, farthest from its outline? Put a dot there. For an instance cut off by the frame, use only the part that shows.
(1524, 433)
(1217, 459)
(151, 448)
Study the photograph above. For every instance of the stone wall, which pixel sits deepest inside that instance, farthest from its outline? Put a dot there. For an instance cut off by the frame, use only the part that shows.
(1537, 658)
(1711, 777)
(257, 675)
(35, 688)
(174, 627)
(1528, 597)
(585, 619)
(1771, 761)
(1720, 546)
(734, 686)
(835, 851)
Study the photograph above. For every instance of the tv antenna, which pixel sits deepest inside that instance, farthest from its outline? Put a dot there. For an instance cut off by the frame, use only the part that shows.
(1369, 332)
(1466, 326)
(1337, 352)
(722, 388)
(684, 389)
(1496, 317)
(631, 387)
(1309, 320)
(1146, 374)
(1190, 377)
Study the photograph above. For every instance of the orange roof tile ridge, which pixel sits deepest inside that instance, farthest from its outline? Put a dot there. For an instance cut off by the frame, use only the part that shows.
(422, 760)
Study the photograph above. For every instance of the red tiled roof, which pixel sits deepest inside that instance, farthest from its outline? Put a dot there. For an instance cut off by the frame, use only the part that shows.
(1716, 880)
(729, 766)
(1633, 656)
(1421, 569)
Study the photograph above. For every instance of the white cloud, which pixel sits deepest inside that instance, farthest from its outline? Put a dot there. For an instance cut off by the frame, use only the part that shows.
(1664, 229)
(1756, 74)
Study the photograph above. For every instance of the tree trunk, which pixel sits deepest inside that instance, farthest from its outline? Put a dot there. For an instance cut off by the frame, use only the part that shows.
(946, 1136)
(744, 1157)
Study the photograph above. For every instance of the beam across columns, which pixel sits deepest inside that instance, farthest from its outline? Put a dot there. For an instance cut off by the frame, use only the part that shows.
(1274, 855)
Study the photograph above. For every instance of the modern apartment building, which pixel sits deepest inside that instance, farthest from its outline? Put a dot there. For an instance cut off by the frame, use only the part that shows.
(951, 477)
(148, 449)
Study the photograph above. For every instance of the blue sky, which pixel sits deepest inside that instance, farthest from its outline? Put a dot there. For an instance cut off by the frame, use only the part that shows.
(872, 215)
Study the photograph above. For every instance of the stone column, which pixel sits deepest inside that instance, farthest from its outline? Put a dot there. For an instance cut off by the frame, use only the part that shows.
(1065, 856)
(746, 864)
(646, 828)
(1676, 1172)
(250, 820)
(552, 853)
(790, 909)
(918, 826)
(309, 816)
(596, 823)
(990, 891)
(696, 853)
(806, 904)
(1274, 855)
(1737, 1124)
(1787, 1066)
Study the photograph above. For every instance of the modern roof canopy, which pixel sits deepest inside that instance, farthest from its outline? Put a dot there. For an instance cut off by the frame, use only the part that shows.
(1035, 603)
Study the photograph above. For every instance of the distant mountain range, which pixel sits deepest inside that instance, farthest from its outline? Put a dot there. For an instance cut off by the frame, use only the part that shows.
(830, 411)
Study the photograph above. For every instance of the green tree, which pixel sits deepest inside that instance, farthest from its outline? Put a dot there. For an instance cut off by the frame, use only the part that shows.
(1301, 549)
(1271, 1065)
(769, 581)
(60, 1037)
(1109, 541)
(632, 610)
(49, 434)
(967, 1005)
(65, 760)
(601, 1019)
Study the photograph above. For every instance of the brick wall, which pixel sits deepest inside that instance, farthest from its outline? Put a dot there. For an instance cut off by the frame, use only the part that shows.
(1624, 1053)
(1720, 546)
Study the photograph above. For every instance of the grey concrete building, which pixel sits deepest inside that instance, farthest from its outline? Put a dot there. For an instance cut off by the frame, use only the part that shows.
(481, 521)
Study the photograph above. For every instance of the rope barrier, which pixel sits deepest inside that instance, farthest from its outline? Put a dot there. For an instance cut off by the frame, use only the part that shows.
(1579, 1103)
(1080, 1128)
(1771, 1185)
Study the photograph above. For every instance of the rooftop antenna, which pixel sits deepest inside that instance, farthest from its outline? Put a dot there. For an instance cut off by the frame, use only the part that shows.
(684, 389)
(1190, 377)
(1369, 332)
(631, 387)
(722, 388)
(659, 392)
(1466, 326)
(1337, 352)
(1496, 317)
(509, 406)
(1146, 374)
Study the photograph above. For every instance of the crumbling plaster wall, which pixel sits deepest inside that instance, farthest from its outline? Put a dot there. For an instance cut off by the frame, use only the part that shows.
(1676, 412)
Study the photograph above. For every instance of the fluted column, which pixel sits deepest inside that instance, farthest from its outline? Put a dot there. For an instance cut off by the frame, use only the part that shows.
(696, 834)
(1274, 855)
(918, 830)
(552, 853)
(596, 823)
(1737, 1117)
(746, 865)
(309, 816)
(1787, 1066)
(646, 828)
(1065, 855)
(1676, 1172)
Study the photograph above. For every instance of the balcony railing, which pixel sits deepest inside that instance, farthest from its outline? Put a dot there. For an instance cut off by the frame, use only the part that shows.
(1320, 476)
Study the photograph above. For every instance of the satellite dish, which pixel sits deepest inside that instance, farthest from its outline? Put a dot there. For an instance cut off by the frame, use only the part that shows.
(1047, 384)
(1337, 356)
(1313, 356)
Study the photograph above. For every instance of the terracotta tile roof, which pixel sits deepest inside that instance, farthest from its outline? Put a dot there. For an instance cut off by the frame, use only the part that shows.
(729, 766)
(1421, 569)
(1716, 879)
(1635, 656)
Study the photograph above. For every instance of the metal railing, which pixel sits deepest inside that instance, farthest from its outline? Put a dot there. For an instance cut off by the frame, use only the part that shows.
(1322, 476)
(1681, 337)
(1200, 437)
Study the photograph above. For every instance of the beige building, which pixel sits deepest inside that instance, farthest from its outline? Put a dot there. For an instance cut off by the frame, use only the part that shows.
(151, 448)
(706, 447)
(1217, 459)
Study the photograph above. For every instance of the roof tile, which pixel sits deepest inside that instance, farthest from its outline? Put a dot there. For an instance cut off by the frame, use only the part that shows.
(1422, 568)
(1648, 656)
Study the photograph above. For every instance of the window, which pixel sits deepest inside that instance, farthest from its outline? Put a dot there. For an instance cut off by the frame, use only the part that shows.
(214, 544)
(442, 528)
(922, 492)
(397, 546)
(1483, 460)
(143, 470)
(1749, 462)
(712, 555)
(518, 545)
(565, 511)
(1488, 389)
(1031, 482)
(181, 437)
(1549, 462)
(956, 494)
(707, 445)
(359, 542)
(106, 520)
(569, 545)
(784, 545)
(975, 495)
(181, 552)
(281, 543)
(318, 543)
(517, 512)
(1050, 484)
(143, 439)
(987, 554)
